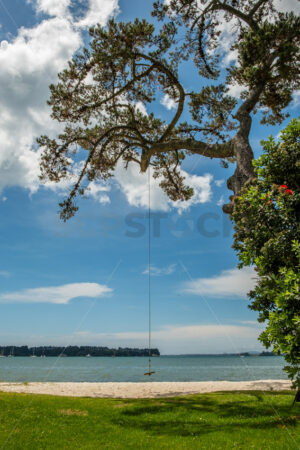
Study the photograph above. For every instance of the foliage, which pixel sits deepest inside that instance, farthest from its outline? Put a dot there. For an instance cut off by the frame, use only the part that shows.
(240, 420)
(267, 234)
(101, 95)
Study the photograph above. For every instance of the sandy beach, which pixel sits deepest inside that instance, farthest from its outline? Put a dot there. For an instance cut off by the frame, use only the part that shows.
(142, 390)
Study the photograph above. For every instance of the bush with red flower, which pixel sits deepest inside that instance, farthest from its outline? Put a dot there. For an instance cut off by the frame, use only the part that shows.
(267, 235)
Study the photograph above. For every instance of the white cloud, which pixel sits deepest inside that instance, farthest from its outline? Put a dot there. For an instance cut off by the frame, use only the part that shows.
(95, 190)
(168, 102)
(288, 6)
(27, 66)
(187, 332)
(4, 198)
(141, 108)
(29, 63)
(99, 12)
(104, 199)
(134, 185)
(4, 45)
(158, 271)
(233, 283)
(56, 294)
(219, 183)
(221, 201)
(202, 190)
(229, 31)
(53, 7)
(235, 90)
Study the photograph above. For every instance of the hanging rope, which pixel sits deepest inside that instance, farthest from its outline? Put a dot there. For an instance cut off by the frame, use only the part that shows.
(149, 272)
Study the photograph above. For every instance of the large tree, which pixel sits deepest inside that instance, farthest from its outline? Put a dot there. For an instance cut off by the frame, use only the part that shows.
(267, 235)
(129, 63)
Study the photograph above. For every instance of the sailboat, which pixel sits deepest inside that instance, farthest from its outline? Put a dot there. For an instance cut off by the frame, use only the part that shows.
(11, 355)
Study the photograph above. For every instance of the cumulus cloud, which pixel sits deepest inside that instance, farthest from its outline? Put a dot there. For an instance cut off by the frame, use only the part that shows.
(141, 108)
(134, 185)
(99, 12)
(235, 90)
(56, 294)
(104, 199)
(158, 271)
(97, 192)
(168, 102)
(202, 190)
(53, 7)
(29, 63)
(233, 283)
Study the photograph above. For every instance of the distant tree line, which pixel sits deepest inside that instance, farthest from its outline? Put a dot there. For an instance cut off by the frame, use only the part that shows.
(24, 350)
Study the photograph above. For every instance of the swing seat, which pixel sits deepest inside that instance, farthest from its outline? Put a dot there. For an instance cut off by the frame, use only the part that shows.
(149, 373)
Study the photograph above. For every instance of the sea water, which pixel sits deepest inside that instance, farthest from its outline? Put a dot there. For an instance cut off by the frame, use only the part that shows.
(118, 369)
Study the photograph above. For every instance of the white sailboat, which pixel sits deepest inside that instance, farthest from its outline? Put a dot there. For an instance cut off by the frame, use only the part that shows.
(11, 355)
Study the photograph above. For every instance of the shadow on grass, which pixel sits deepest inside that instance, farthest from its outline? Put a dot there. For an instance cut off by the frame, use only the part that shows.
(204, 414)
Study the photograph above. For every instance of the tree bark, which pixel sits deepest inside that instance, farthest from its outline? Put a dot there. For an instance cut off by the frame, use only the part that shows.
(244, 156)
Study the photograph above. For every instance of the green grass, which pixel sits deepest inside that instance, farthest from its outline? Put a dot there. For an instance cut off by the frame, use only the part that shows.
(230, 420)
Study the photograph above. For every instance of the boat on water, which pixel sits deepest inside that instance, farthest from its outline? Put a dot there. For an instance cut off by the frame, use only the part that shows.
(12, 353)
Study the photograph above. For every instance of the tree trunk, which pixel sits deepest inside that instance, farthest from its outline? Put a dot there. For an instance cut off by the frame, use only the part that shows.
(297, 397)
(244, 156)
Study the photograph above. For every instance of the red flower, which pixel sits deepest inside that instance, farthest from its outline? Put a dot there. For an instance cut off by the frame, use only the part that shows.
(283, 186)
(288, 191)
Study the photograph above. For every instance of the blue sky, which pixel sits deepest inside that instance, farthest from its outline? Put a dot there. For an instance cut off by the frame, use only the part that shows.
(85, 282)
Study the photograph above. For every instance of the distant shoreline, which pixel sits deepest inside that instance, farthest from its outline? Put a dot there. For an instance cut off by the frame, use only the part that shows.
(144, 354)
(73, 351)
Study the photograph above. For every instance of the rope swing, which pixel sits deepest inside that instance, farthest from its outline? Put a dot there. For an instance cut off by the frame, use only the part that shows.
(149, 373)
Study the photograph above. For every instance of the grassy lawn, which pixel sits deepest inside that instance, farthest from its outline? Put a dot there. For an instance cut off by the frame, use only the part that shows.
(211, 421)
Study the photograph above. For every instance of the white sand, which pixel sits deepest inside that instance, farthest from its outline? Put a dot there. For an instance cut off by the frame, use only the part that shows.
(142, 390)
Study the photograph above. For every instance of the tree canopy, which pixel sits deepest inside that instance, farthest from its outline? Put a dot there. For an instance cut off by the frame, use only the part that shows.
(267, 234)
(129, 64)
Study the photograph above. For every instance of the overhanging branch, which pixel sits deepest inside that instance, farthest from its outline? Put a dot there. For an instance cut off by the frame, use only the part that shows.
(224, 150)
